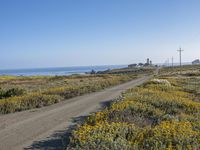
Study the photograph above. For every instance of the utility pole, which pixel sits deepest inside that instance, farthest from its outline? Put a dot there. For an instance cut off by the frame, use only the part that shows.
(180, 51)
(168, 62)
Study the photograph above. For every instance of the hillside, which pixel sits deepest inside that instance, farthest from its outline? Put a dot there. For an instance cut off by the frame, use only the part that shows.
(163, 113)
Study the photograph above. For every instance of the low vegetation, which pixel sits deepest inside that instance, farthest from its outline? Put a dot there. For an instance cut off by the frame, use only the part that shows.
(161, 114)
(22, 93)
(132, 70)
(187, 70)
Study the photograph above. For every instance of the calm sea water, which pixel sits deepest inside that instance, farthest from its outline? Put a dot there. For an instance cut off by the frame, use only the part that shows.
(57, 71)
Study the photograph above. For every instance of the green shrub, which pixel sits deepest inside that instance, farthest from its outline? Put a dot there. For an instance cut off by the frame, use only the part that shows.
(11, 92)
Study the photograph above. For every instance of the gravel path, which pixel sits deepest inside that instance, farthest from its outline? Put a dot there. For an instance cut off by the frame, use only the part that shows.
(42, 128)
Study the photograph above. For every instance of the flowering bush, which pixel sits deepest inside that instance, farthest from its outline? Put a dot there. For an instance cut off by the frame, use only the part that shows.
(103, 135)
(152, 116)
(169, 135)
(19, 103)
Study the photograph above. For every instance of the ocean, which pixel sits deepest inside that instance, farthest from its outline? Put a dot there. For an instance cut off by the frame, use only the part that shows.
(57, 71)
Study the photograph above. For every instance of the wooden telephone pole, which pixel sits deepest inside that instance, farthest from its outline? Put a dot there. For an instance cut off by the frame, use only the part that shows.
(180, 51)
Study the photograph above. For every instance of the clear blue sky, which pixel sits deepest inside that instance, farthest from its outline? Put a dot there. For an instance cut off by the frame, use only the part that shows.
(57, 33)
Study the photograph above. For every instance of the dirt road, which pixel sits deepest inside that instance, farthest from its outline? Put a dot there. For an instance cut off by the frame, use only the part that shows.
(41, 128)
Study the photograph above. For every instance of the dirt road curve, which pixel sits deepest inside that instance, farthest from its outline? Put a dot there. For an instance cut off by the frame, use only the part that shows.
(41, 128)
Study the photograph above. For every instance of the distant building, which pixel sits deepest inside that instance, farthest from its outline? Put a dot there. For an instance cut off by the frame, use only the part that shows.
(146, 65)
(196, 62)
(148, 61)
(132, 65)
(140, 64)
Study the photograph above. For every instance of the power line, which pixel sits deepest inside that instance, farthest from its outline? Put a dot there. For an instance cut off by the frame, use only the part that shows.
(180, 52)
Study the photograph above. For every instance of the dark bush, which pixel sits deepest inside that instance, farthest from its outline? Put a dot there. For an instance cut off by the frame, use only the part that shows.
(11, 92)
